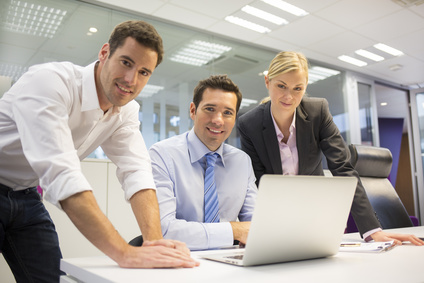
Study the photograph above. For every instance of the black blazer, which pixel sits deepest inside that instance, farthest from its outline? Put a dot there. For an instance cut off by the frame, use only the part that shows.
(316, 134)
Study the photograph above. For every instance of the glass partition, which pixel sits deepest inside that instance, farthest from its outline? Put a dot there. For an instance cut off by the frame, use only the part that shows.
(365, 111)
(417, 110)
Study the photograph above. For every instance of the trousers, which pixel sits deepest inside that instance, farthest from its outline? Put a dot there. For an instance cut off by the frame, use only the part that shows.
(28, 238)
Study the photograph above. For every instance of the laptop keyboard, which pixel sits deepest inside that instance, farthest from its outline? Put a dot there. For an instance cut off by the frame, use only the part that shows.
(235, 256)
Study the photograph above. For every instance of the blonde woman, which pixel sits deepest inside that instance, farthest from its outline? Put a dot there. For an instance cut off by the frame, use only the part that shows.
(288, 133)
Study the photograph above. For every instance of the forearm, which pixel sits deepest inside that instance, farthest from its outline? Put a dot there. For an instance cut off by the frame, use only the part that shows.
(240, 231)
(86, 215)
(146, 210)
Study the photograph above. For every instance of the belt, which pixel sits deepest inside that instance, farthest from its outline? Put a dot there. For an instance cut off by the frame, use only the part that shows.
(4, 190)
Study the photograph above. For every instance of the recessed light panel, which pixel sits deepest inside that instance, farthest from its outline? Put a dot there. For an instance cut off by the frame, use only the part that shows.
(247, 24)
(388, 49)
(264, 15)
(287, 7)
(199, 53)
(33, 19)
(12, 71)
(317, 73)
(369, 55)
(245, 102)
(352, 60)
(150, 90)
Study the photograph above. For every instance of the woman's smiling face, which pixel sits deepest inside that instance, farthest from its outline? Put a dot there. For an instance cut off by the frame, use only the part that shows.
(286, 91)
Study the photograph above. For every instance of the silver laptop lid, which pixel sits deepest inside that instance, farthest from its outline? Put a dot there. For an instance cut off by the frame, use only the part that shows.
(298, 217)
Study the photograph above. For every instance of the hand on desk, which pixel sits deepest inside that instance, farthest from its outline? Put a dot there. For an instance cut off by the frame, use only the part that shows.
(156, 255)
(83, 210)
(169, 244)
(382, 236)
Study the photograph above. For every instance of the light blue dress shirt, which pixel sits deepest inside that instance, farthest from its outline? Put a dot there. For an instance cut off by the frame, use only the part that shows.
(178, 169)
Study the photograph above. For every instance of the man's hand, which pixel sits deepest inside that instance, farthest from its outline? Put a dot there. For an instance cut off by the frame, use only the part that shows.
(157, 256)
(382, 236)
(84, 212)
(240, 231)
(173, 244)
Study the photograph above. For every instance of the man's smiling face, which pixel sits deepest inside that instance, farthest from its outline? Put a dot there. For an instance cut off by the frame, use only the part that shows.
(214, 117)
(124, 74)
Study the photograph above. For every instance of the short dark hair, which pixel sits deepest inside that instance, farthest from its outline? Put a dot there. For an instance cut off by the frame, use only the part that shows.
(222, 82)
(141, 31)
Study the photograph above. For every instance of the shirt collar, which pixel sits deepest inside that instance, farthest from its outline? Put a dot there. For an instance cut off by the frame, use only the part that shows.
(280, 135)
(89, 99)
(197, 149)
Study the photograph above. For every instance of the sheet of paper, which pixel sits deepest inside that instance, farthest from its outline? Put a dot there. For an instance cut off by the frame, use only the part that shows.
(371, 247)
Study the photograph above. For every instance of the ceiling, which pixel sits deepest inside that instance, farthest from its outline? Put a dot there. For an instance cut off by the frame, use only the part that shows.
(332, 28)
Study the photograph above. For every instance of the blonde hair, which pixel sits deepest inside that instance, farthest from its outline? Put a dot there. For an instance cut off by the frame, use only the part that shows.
(284, 62)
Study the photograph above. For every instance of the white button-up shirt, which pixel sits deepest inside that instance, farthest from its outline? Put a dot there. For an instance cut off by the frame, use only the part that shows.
(50, 119)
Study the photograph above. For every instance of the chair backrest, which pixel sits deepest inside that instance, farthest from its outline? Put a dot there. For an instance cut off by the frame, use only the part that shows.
(137, 241)
(373, 165)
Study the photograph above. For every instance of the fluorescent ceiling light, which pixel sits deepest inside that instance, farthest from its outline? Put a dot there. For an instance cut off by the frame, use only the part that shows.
(383, 103)
(33, 19)
(311, 73)
(352, 60)
(188, 60)
(316, 73)
(150, 90)
(199, 53)
(247, 102)
(369, 55)
(264, 15)
(388, 49)
(12, 71)
(209, 46)
(287, 7)
(312, 78)
(323, 70)
(247, 24)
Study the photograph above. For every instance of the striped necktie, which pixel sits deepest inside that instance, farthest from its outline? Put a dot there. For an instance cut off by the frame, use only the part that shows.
(211, 197)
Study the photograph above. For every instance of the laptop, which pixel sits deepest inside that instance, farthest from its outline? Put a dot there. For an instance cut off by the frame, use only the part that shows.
(295, 218)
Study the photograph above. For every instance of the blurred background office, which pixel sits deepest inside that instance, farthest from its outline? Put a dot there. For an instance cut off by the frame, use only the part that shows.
(366, 58)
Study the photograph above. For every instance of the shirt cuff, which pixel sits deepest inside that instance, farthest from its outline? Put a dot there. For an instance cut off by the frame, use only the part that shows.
(220, 235)
(137, 181)
(367, 235)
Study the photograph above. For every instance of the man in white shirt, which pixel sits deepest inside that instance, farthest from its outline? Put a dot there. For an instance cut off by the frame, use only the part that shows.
(179, 169)
(50, 119)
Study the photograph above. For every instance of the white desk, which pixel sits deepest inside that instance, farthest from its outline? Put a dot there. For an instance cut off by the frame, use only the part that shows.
(401, 264)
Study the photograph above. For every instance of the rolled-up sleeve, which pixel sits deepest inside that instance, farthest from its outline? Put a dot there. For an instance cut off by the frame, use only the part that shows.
(127, 149)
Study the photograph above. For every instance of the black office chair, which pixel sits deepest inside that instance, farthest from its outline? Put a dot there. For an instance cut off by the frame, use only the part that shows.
(373, 165)
(137, 241)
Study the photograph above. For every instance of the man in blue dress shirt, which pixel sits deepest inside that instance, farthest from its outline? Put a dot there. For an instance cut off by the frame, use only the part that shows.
(179, 165)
